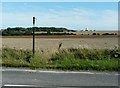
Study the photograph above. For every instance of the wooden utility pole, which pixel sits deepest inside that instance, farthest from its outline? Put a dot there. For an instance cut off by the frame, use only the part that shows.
(33, 35)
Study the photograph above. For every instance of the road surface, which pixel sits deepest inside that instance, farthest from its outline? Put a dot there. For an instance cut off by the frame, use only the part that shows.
(57, 79)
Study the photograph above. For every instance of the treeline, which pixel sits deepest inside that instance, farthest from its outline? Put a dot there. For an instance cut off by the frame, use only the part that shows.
(104, 34)
(19, 31)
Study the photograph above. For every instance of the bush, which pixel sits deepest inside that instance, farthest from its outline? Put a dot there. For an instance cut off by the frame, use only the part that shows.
(105, 34)
(94, 34)
(98, 33)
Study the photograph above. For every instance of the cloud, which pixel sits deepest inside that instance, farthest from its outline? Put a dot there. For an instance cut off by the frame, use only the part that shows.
(106, 18)
(75, 17)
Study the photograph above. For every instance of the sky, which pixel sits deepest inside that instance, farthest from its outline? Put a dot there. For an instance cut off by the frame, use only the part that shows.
(71, 15)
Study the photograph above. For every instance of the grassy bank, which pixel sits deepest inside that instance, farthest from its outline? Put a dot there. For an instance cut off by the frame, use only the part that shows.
(67, 59)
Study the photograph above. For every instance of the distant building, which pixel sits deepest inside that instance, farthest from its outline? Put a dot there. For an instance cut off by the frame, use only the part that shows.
(86, 29)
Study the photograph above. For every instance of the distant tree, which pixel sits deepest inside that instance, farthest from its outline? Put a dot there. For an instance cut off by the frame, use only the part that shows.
(28, 31)
(98, 33)
(105, 34)
(94, 34)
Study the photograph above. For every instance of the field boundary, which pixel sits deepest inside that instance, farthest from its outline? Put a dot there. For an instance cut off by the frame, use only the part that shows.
(68, 36)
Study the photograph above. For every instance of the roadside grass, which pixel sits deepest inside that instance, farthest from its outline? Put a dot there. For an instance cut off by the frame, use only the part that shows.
(65, 59)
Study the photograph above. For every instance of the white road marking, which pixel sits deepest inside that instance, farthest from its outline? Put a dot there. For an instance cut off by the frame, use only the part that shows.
(43, 71)
(8, 85)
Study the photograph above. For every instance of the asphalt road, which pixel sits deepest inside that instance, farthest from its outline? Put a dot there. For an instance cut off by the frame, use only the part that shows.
(57, 79)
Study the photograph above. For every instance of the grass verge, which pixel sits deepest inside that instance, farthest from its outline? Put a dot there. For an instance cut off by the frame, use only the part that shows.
(66, 59)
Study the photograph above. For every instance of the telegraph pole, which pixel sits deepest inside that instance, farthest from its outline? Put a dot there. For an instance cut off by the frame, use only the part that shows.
(33, 35)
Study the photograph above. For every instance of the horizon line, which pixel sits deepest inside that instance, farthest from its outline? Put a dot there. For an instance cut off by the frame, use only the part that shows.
(65, 27)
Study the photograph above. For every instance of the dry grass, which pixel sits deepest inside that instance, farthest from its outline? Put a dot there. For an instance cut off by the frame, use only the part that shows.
(51, 44)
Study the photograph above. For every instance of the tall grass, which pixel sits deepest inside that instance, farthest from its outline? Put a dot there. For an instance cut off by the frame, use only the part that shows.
(86, 59)
(66, 59)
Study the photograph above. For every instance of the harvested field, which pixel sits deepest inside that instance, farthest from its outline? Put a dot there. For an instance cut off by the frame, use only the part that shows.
(51, 43)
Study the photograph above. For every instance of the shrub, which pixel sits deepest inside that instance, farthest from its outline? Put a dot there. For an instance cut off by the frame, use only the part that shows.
(94, 34)
(98, 33)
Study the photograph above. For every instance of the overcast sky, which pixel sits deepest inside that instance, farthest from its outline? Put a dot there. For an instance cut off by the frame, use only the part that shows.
(72, 15)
